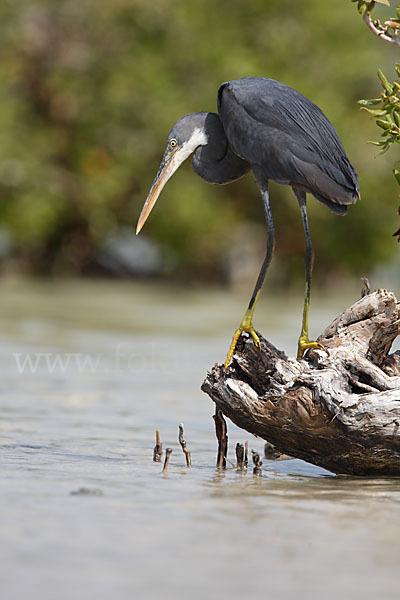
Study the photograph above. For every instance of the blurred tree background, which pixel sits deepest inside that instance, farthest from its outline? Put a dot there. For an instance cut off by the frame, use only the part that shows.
(89, 91)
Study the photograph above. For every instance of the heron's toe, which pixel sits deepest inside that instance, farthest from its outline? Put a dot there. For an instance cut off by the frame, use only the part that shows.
(255, 337)
(306, 344)
(246, 326)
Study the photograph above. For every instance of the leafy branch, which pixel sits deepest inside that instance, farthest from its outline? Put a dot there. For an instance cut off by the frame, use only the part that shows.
(389, 30)
(387, 110)
(387, 107)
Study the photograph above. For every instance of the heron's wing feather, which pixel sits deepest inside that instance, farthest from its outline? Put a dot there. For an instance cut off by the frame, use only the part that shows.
(323, 186)
(292, 127)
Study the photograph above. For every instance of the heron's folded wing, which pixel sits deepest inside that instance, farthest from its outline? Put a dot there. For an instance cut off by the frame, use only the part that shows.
(279, 108)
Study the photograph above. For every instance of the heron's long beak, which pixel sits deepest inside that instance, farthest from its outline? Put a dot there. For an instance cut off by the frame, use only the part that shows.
(167, 168)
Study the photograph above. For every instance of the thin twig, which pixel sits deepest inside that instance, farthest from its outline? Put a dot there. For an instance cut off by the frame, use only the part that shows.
(366, 289)
(257, 463)
(239, 457)
(157, 452)
(378, 29)
(184, 448)
(222, 437)
(168, 453)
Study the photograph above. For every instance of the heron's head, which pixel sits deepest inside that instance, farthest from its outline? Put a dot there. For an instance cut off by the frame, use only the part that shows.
(185, 136)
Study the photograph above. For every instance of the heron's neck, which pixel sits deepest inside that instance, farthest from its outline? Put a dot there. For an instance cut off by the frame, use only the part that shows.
(214, 160)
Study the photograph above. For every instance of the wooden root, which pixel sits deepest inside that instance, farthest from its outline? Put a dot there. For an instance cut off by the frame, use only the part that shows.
(340, 411)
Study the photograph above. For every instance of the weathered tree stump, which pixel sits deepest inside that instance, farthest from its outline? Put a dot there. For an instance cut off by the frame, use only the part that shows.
(339, 410)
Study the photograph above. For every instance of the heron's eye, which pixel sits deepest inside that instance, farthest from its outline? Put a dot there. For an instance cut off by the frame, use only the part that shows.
(173, 143)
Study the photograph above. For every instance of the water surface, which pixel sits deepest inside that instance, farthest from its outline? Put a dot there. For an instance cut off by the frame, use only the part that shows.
(89, 371)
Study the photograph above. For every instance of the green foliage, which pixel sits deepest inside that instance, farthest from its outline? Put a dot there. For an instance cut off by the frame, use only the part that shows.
(369, 5)
(90, 89)
(388, 106)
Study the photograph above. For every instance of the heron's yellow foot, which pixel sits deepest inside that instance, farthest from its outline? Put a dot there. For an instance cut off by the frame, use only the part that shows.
(305, 344)
(245, 326)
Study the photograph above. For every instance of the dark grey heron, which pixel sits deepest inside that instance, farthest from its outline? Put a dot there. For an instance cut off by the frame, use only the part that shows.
(279, 134)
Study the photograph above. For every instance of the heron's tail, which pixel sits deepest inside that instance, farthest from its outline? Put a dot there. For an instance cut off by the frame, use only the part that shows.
(338, 208)
(334, 188)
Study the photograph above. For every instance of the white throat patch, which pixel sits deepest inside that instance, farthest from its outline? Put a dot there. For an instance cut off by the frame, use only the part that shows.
(198, 138)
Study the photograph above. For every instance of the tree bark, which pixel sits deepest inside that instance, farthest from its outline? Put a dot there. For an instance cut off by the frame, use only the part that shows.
(340, 409)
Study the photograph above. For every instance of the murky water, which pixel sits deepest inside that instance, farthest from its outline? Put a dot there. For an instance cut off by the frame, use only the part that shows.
(89, 371)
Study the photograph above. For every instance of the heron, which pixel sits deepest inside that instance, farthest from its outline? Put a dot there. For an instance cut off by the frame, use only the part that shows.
(269, 128)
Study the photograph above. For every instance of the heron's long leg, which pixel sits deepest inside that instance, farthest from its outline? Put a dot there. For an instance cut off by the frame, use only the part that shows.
(247, 321)
(304, 342)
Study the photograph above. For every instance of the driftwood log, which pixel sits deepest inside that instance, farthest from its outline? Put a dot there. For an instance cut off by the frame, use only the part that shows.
(340, 409)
